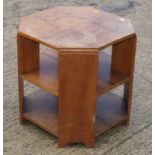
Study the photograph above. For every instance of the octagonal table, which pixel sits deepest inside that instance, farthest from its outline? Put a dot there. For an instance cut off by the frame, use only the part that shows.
(74, 74)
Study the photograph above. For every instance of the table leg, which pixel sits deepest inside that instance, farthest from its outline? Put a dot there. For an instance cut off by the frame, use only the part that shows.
(123, 59)
(78, 71)
(128, 98)
(28, 60)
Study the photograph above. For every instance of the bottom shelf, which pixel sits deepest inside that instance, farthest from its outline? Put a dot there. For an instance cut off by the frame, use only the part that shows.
(41, 108)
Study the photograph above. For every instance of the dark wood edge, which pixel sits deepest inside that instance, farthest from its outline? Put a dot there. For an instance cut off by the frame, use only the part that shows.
(59, 48)
(112, 126)
(37, 124)
(114, 86)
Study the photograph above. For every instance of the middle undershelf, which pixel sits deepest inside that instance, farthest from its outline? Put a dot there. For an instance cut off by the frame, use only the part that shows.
(46, 77)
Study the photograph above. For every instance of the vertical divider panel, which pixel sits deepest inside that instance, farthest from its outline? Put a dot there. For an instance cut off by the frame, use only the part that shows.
(78, 70)
(123, 59)
(123, 56)
(28, 60)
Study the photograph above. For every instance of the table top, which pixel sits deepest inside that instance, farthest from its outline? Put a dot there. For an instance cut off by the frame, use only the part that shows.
(75, 27)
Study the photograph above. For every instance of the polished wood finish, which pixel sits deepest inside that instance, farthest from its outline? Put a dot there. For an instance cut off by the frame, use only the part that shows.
(28, 60)
(46, 77)
(108, 77)
(77, 96)
(41, 108)
(123, 56)
(123, 59)
(110, 111)
(77, 76)
(75, 27)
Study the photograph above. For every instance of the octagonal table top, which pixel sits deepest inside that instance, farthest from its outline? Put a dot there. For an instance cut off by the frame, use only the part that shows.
(75, 27)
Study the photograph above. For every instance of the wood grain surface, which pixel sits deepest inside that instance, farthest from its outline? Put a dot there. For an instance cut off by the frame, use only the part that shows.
(28, 60)
(76, 72)
(77, 96)
(41, 108)
(46, 76)
(75, 27)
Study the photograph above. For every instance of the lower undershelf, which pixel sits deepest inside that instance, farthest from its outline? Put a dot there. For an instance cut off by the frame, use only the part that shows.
(41, 108)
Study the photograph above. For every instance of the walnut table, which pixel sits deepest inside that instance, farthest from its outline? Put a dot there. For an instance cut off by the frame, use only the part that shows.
(74, 74)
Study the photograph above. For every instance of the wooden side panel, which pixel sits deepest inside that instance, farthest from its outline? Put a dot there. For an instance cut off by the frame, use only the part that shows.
(28, 54)
(123, 56)
(28, 60)
(77, 97)
(128, 98)
(123, 59)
